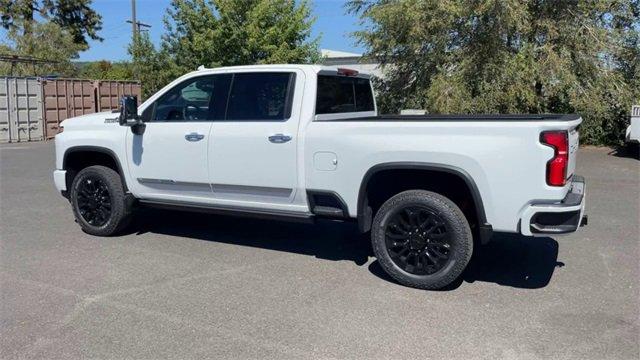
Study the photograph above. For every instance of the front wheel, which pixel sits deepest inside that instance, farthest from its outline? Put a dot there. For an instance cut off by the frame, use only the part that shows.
(98, 201)
(422, 239)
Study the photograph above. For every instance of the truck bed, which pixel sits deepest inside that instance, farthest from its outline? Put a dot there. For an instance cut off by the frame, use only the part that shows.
(473, 117)
(503, 154)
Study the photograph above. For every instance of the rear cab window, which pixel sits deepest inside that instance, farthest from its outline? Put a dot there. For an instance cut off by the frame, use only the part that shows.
(340, 94)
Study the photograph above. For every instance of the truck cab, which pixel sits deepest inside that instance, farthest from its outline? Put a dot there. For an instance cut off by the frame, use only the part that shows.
(229, 137)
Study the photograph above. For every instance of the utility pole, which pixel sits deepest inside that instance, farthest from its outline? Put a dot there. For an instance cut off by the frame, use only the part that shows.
(135, 25)
(135, 32)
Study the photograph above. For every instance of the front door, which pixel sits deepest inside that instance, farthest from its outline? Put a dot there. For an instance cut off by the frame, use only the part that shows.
(253, 152)
(169, 161)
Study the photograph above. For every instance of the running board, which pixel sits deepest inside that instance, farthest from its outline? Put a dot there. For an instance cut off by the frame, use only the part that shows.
(228, 210)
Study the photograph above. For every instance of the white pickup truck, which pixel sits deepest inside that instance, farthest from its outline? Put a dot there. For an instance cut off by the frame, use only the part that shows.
(303, 142)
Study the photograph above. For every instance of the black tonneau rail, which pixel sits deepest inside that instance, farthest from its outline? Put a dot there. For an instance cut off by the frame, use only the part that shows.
(479, 117)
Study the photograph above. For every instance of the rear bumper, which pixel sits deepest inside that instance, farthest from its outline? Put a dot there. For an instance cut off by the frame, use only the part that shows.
(558, 218)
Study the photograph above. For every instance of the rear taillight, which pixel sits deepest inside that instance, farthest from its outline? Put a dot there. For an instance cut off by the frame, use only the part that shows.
(557, 166)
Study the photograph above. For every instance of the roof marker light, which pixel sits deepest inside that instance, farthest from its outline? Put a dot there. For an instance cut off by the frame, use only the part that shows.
(347, 72)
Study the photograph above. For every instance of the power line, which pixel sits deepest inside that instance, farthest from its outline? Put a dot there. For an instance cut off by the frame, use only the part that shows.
(15, 59)
(26, 59)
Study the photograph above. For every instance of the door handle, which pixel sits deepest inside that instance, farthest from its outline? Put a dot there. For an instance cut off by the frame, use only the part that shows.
(279, 138)
(194, 136)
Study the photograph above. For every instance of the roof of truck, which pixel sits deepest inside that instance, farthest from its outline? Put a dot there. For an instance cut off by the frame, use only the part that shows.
(310, 67)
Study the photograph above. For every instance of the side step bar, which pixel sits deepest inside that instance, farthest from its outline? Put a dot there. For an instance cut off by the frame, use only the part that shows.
(233, 211)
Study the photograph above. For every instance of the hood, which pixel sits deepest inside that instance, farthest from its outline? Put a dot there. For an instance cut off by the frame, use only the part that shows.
(91, 120)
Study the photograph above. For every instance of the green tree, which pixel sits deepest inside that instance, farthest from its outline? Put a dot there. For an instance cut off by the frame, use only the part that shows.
(223, 33)
(229, 32)
(106, 70)
(74, 16)
(45, 41)
(154, 68)
(508, 56)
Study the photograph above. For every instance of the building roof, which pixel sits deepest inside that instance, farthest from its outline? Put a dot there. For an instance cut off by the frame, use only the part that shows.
(338, 54)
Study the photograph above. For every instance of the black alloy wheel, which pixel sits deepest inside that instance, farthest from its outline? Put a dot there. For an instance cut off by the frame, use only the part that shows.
(99, 202)
(417, 240)
(94, 201)
(421, 239)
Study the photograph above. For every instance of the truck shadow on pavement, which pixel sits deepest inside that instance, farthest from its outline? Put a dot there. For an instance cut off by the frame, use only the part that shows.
(508, 260)
(631, 151)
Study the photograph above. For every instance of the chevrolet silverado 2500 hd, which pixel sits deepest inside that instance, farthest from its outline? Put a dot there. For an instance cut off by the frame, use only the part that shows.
(304, 142)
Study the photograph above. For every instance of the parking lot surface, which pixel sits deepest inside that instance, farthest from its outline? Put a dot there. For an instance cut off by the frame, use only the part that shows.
(183, 285)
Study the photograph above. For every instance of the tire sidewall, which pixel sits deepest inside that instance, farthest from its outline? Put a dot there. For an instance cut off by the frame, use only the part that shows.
(455, 223)
(116, 195)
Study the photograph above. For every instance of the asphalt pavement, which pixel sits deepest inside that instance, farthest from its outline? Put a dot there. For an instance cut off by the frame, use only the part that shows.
(184, 285)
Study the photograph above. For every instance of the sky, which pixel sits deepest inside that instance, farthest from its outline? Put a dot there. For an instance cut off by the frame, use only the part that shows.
(333, 26)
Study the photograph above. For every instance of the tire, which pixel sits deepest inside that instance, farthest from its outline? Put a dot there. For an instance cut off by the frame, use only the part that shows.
(421, 239)
(99, 202)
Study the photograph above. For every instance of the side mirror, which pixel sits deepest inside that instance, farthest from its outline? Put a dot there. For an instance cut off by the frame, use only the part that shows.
(129, 115)
(128, 111)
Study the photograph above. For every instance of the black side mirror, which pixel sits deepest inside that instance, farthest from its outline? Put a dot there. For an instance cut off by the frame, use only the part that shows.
(129, 115)
(128, 110)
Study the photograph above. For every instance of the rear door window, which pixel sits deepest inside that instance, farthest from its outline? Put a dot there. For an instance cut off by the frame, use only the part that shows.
(262, 96)
(341, 94)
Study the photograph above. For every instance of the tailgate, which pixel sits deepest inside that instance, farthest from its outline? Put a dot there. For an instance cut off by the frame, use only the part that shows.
(574, 139)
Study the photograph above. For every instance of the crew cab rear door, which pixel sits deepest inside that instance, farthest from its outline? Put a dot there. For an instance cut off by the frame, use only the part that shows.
(169, 161)
(253, 151)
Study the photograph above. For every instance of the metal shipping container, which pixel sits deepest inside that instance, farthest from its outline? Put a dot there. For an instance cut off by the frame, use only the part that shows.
(65, 98)
(32, 108)
(20, 109)
(108, 93)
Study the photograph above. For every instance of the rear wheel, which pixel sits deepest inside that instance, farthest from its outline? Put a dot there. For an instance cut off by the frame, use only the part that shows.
(422, 239)
(98, 201)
